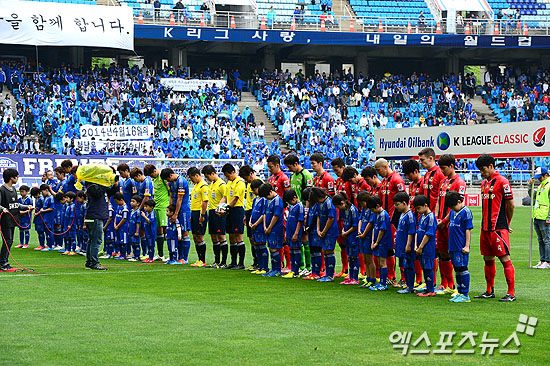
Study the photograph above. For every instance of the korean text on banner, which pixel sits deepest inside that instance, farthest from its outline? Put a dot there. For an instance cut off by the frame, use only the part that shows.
(184, 85)
(114, 133)
(42, 24)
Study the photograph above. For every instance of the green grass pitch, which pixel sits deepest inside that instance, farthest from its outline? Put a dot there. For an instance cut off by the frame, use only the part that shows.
(136, 314)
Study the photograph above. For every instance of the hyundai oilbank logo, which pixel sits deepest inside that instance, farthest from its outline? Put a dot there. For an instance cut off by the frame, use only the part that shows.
(6, 163)
(539, 137)
(443, 141)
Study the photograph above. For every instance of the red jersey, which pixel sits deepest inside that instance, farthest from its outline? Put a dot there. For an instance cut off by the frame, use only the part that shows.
(361, 185)
(326, 182)
(431, 182)
(456, 184)
(391, 185)
(495, 191)
(375, 191)
(279, 182)
(415, 189)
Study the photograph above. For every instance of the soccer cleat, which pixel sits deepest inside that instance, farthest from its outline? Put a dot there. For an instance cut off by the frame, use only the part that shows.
(143, 257)
(326, 279)
(72, 253)
(251, 268)
(402, 283)
(485, 295)
(8, 269)
(426, 294)
(148, 260)
(183, 261)
(285, 271)
(47, 249)
(260, 272)
(19, 246)
(545, 265)
(450, 291)
(420, 286)
(256, 271)
(169, 261)
(404, 291)
(461, 298)
(196, 264)
(390, 282)
(341, 274)
(26, 246)
(275, 274)
(366, 284)
(39, 248)
(353, 282)
(311, 276)
(133, 259)
(120, 258)
(63, 251)
(238, 267)
(267, 273)
(345, 282)
(440, 290)
(362, 276)
(289, 275)
(129, 256)
(508, 298)
(305, 272)
(98, 267)
(535, 266)
(102, 252)
(105, 256)
(117, 254)
(157, 258)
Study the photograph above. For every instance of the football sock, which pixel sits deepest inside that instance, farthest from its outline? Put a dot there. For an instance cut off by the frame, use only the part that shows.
(160, 245)
(434, 277)
(418, 271)
(254, 257)
(276, 261)
(353, 262)
(223, 250)
(116, 247)
(383, 275)
(307, 256)
(362, 264)
(144, 244)
(316, 260)
(49, 239)
(58, 239)
(292, 260)
(375, 259)
(390, 261)
(490, 273)
(302, 253)
(330, 262)
(297, 260)
(509, 273)
(216, 250)
(201, 250)
(241, 249)
(263, 256)
(186, 246)
(151, 248)
(233, 251)
(137, 250)
(409, 278)
(41, 238)
(462, 280)
(344, 258)
(122, 249)
(446, 269)
(286, 250)
(429, 278)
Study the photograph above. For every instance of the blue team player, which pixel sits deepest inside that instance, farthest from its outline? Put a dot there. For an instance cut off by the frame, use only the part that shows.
(25, 221)
(110, 246)
(70, 224)
(314, 241)
(126, 185)
(327, 229)
(121, 226)
(145, 190)
(366, 224)
(257, 226)
(425, 242)
(460, 228)
(173, 234)
(350, 220)
(294, 231)
(382, 240)
(273, 227)
(81, 232)
(404, 240)
(59, 220)
(46, 215)
(149, 226)
(37, 219)
(134, 223)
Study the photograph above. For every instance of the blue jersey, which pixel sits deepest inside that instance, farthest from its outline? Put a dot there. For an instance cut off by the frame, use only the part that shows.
(81, 209)
(382, 221)
(459, 222)
(128, 189)
(70, 219)
(295, 215)
(25, 218)
(70, 182)
(180, 187)
(52, 183)
(427, 225)
(173, 230)
(133, 221)
(145, 189)
(48, 216)
(367, 216)
(150, 227)
(258, 209)
(61, 186)
(326, 210)
(350, 218)
(38, 204)
(122, 212)
(111, 227)
(406, 227)
(58, 212)
(274, 207)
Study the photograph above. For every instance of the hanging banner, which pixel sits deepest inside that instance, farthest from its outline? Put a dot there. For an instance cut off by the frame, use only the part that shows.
(520, 139)
(58, 24)
(86, 146)
(123, 132)
(185, 85)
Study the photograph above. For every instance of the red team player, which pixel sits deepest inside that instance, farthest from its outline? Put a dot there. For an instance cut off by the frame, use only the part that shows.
(322, 178)
(497, 209)
(345, 188)
(391, 185)
(280, 183)
(452, 182)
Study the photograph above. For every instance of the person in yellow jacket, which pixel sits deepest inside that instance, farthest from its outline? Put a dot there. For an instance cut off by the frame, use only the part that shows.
(541, 216)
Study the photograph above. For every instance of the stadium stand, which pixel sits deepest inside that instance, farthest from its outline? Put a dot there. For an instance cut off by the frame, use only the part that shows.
(82, 2)
(396, 12)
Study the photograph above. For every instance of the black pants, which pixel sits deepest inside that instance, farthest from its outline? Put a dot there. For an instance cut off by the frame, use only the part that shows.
(7, 232)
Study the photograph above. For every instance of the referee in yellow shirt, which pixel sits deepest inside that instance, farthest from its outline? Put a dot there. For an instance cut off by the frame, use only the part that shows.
(216, 224)
(234, 197)
(247, 173)
(199, 214)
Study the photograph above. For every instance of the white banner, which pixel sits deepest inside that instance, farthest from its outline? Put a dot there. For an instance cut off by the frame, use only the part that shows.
(184, 85)
(109, 133)
(85, 146)
(520, 139)
(58, 24)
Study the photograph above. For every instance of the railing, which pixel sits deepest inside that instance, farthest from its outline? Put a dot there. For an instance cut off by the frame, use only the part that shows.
(251, 20)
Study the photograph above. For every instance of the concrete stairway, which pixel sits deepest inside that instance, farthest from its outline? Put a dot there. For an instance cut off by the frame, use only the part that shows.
(271, 132)
(483, 109)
